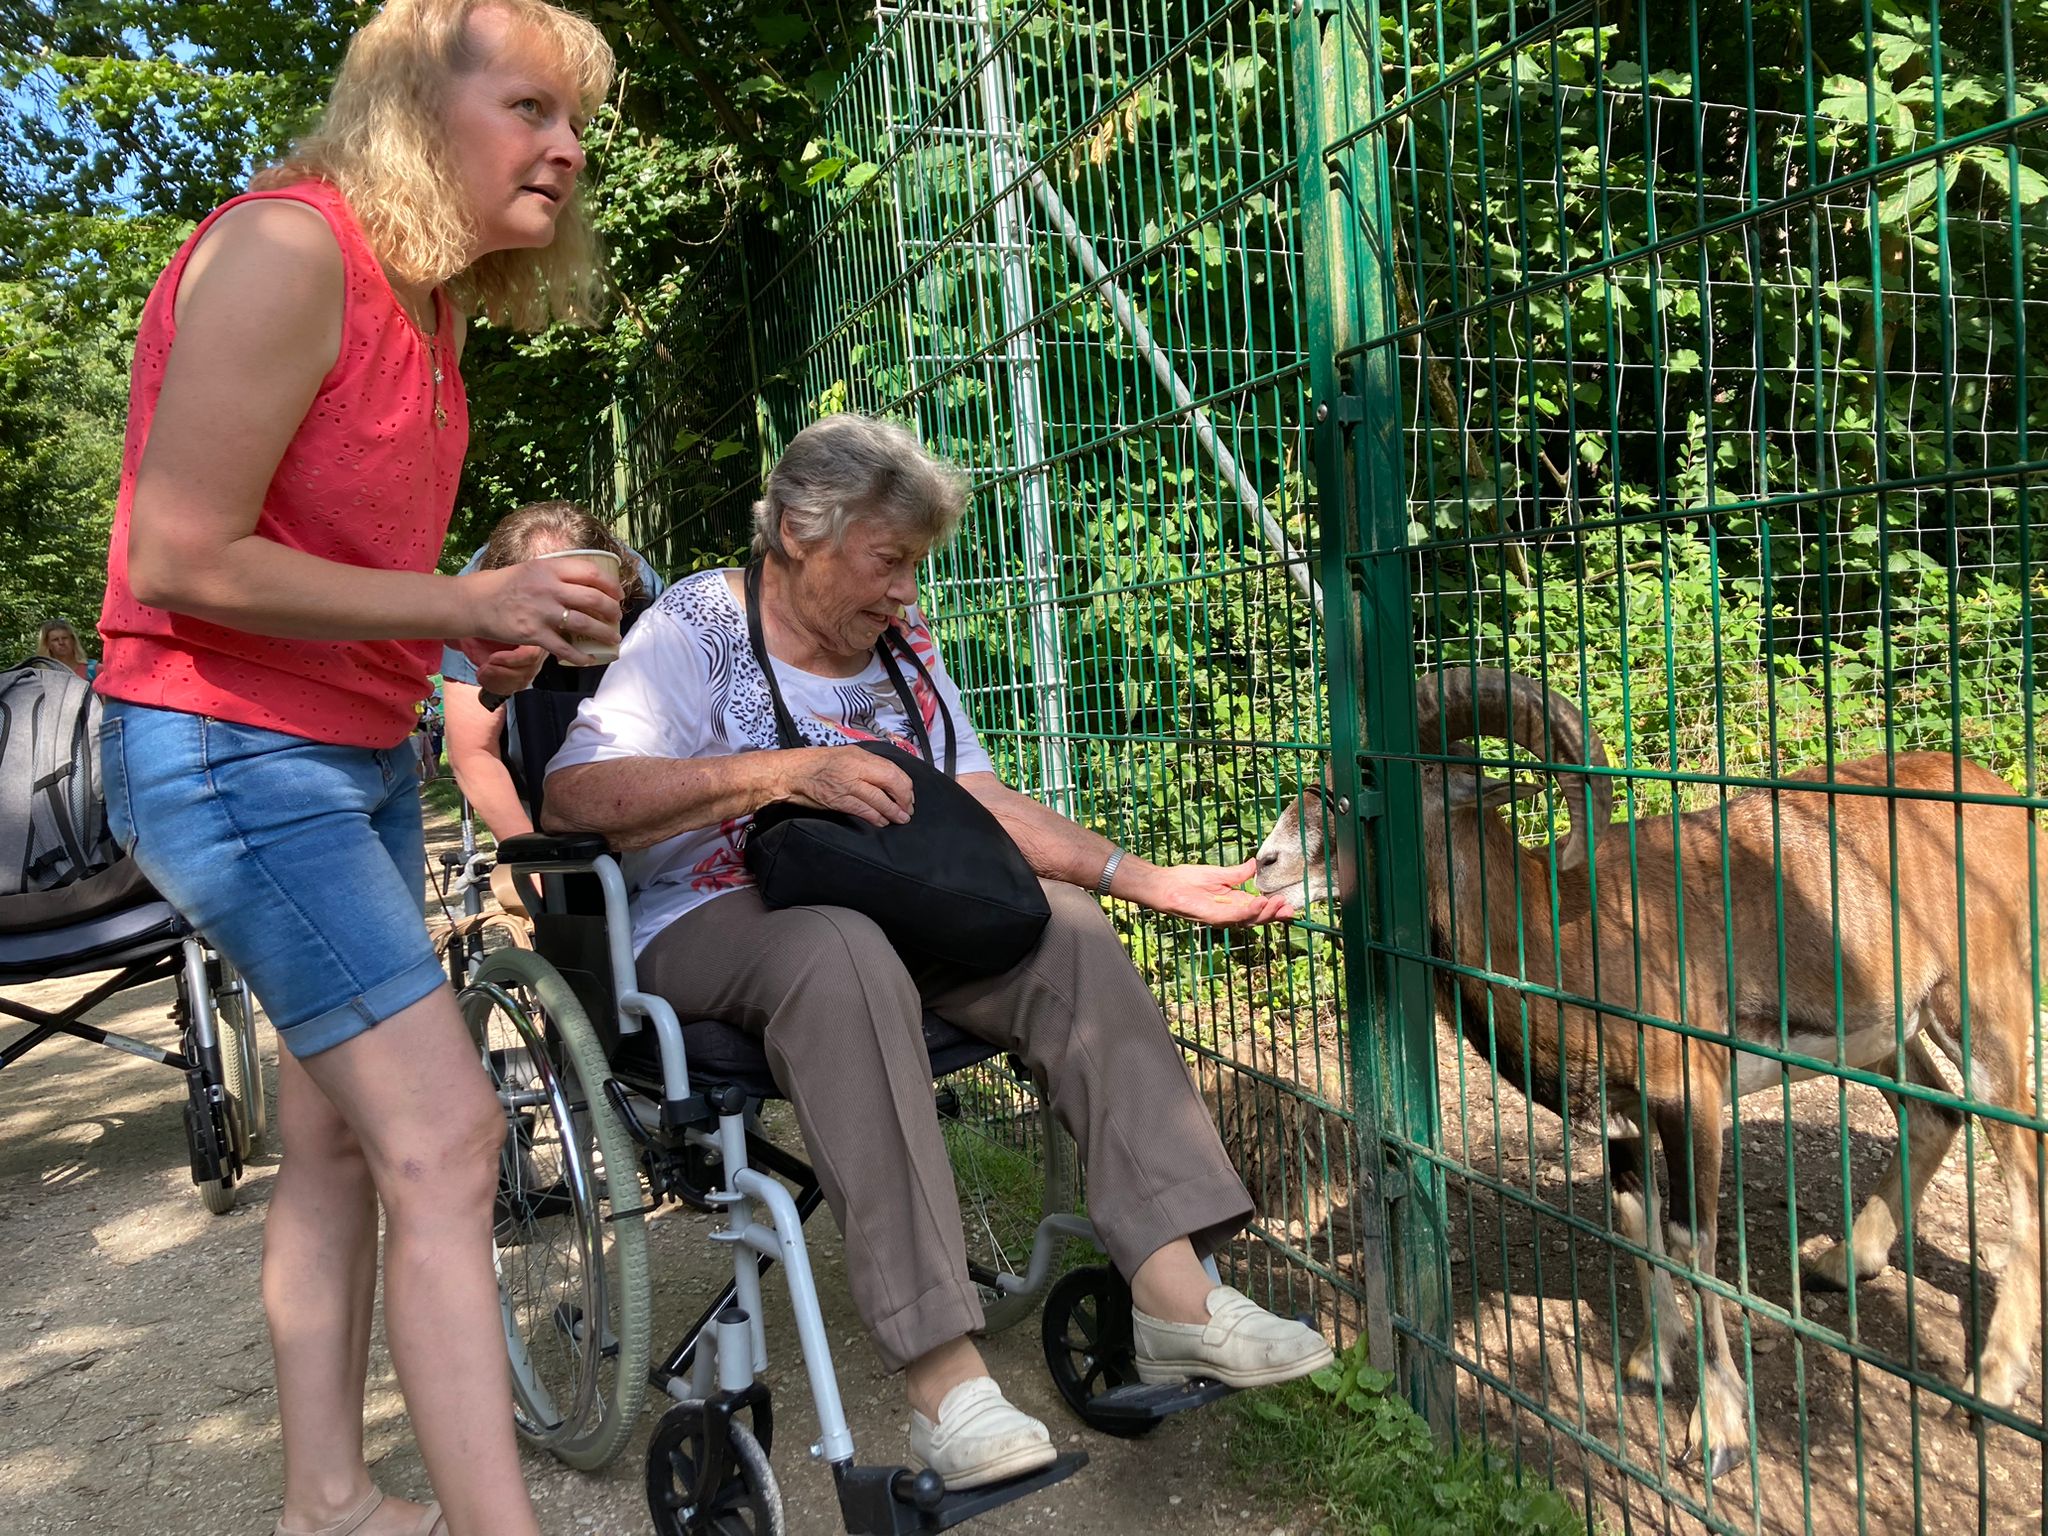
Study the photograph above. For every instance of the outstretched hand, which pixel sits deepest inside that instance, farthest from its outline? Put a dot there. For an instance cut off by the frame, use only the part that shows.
(1209, 893)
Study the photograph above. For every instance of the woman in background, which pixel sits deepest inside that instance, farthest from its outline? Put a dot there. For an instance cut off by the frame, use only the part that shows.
(59, 642)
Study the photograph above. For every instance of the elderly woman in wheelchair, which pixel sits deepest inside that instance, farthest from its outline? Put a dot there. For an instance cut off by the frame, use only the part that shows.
(667, 763)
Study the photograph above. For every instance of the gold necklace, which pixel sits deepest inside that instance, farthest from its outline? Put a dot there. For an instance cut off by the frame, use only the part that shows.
(433, 340)
(434, 357)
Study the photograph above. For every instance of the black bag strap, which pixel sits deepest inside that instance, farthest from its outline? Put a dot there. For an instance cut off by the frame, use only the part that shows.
(883, 647)
(785, 725)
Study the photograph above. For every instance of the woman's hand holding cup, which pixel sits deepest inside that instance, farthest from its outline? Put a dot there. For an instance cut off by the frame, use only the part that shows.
(566, 603)
(596, 647)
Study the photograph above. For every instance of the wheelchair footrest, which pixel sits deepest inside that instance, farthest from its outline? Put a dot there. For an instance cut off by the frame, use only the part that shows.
(1143, 1404)
(895, 1501)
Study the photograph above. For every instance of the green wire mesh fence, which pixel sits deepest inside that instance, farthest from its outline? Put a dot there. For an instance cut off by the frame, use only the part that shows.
(1059, 241)
(1659, 395)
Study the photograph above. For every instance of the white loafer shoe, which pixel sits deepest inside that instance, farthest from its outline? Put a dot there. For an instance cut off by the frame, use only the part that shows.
(1242, 1344)
(981, 1437)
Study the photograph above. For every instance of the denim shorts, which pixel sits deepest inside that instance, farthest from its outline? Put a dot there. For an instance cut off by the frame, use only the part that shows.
(301, 862)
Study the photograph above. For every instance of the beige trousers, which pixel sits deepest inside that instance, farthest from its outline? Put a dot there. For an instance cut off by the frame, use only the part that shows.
(840, 1014)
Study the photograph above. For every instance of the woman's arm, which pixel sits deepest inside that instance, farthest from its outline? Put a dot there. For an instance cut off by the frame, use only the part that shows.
(1059, 849)
(637, 802)
(259, 313)
(476, 756)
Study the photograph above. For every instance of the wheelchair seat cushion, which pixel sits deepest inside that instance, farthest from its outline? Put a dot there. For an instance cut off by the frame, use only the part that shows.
(725, 1053)
(95, 944)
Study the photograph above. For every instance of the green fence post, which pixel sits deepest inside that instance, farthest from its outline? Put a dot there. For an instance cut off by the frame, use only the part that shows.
(1364, 536)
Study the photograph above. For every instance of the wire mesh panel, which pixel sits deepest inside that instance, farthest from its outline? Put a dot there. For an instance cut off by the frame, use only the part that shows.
(1686, 392)
(1059, 241)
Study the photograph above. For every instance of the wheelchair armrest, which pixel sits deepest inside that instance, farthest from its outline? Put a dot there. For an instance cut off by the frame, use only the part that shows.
(549, 848)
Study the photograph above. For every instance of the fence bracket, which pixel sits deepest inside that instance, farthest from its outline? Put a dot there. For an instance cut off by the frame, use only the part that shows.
(1369, 804)
(1394, 1183)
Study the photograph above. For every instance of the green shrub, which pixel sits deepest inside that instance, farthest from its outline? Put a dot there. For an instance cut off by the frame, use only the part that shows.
(1370, 1464)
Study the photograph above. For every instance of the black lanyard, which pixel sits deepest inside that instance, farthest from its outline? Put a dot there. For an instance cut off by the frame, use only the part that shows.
(887, 648)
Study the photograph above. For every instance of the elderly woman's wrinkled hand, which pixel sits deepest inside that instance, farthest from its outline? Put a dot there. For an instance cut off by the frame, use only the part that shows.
(1209, 893)
(847, 780)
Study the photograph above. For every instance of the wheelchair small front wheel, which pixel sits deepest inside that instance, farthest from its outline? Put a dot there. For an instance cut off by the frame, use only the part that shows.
(223, 1133)
(570, 1228)
(1088, 1345)
(209, 1138)
(746, 1502)
(234, 1008)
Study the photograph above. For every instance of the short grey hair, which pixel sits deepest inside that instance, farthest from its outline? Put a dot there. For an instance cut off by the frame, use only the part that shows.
(848, 467)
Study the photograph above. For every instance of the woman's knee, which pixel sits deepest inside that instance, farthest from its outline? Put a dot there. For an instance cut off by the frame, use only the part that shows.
(313, 1130)
(443, 1162)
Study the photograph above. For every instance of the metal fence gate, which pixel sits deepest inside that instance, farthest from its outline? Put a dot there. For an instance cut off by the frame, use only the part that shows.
(1686, 364)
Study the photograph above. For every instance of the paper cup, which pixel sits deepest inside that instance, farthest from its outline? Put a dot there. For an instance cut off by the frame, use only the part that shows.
(594, 654)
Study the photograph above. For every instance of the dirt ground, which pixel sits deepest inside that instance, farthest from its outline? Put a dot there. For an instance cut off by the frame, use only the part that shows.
(135, 1376)
(1551, 1313)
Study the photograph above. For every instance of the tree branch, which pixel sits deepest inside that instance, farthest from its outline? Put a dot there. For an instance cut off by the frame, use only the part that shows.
(721, 104)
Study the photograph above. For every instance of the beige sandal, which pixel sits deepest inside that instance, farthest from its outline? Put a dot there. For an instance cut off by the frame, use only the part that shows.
(430, 1521)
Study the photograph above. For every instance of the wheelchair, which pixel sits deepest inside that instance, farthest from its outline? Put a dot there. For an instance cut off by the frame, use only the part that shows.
(121, 925)
(614, 1106)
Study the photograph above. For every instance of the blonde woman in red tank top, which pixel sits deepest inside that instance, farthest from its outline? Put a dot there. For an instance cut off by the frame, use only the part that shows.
(296, 432)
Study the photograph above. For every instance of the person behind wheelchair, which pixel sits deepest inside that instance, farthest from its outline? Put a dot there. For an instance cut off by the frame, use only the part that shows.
(669, 760)
(483, 740)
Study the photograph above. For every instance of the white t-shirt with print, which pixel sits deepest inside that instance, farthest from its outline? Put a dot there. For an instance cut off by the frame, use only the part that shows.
(686, 685)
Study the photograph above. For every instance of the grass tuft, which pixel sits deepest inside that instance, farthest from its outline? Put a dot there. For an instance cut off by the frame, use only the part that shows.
(1372, 1468)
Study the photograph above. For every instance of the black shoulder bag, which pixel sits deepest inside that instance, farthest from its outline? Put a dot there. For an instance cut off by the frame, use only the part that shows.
(949, 884)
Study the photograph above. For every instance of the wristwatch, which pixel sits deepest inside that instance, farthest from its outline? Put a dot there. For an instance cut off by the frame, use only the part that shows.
(1116, 857)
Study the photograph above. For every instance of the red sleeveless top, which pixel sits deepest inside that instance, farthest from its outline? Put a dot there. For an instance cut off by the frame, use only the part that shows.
(369, 479)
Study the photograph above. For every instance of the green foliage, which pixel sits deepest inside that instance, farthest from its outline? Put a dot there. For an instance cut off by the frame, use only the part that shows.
(1371, 1466)
(139, 116)
(60, 448)
(1745, 499)
(1683, 558)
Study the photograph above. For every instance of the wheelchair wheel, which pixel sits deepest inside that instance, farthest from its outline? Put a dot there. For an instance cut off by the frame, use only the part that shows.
(227, 1138)
(1013, 1164)
(1088, 1348)
(747, 1504)
(234, 1008)
(570, 1233)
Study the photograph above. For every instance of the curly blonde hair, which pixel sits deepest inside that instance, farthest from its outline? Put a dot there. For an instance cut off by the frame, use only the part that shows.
(379, 144)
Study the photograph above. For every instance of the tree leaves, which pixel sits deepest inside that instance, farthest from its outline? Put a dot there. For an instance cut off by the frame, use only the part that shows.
(145, 114)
